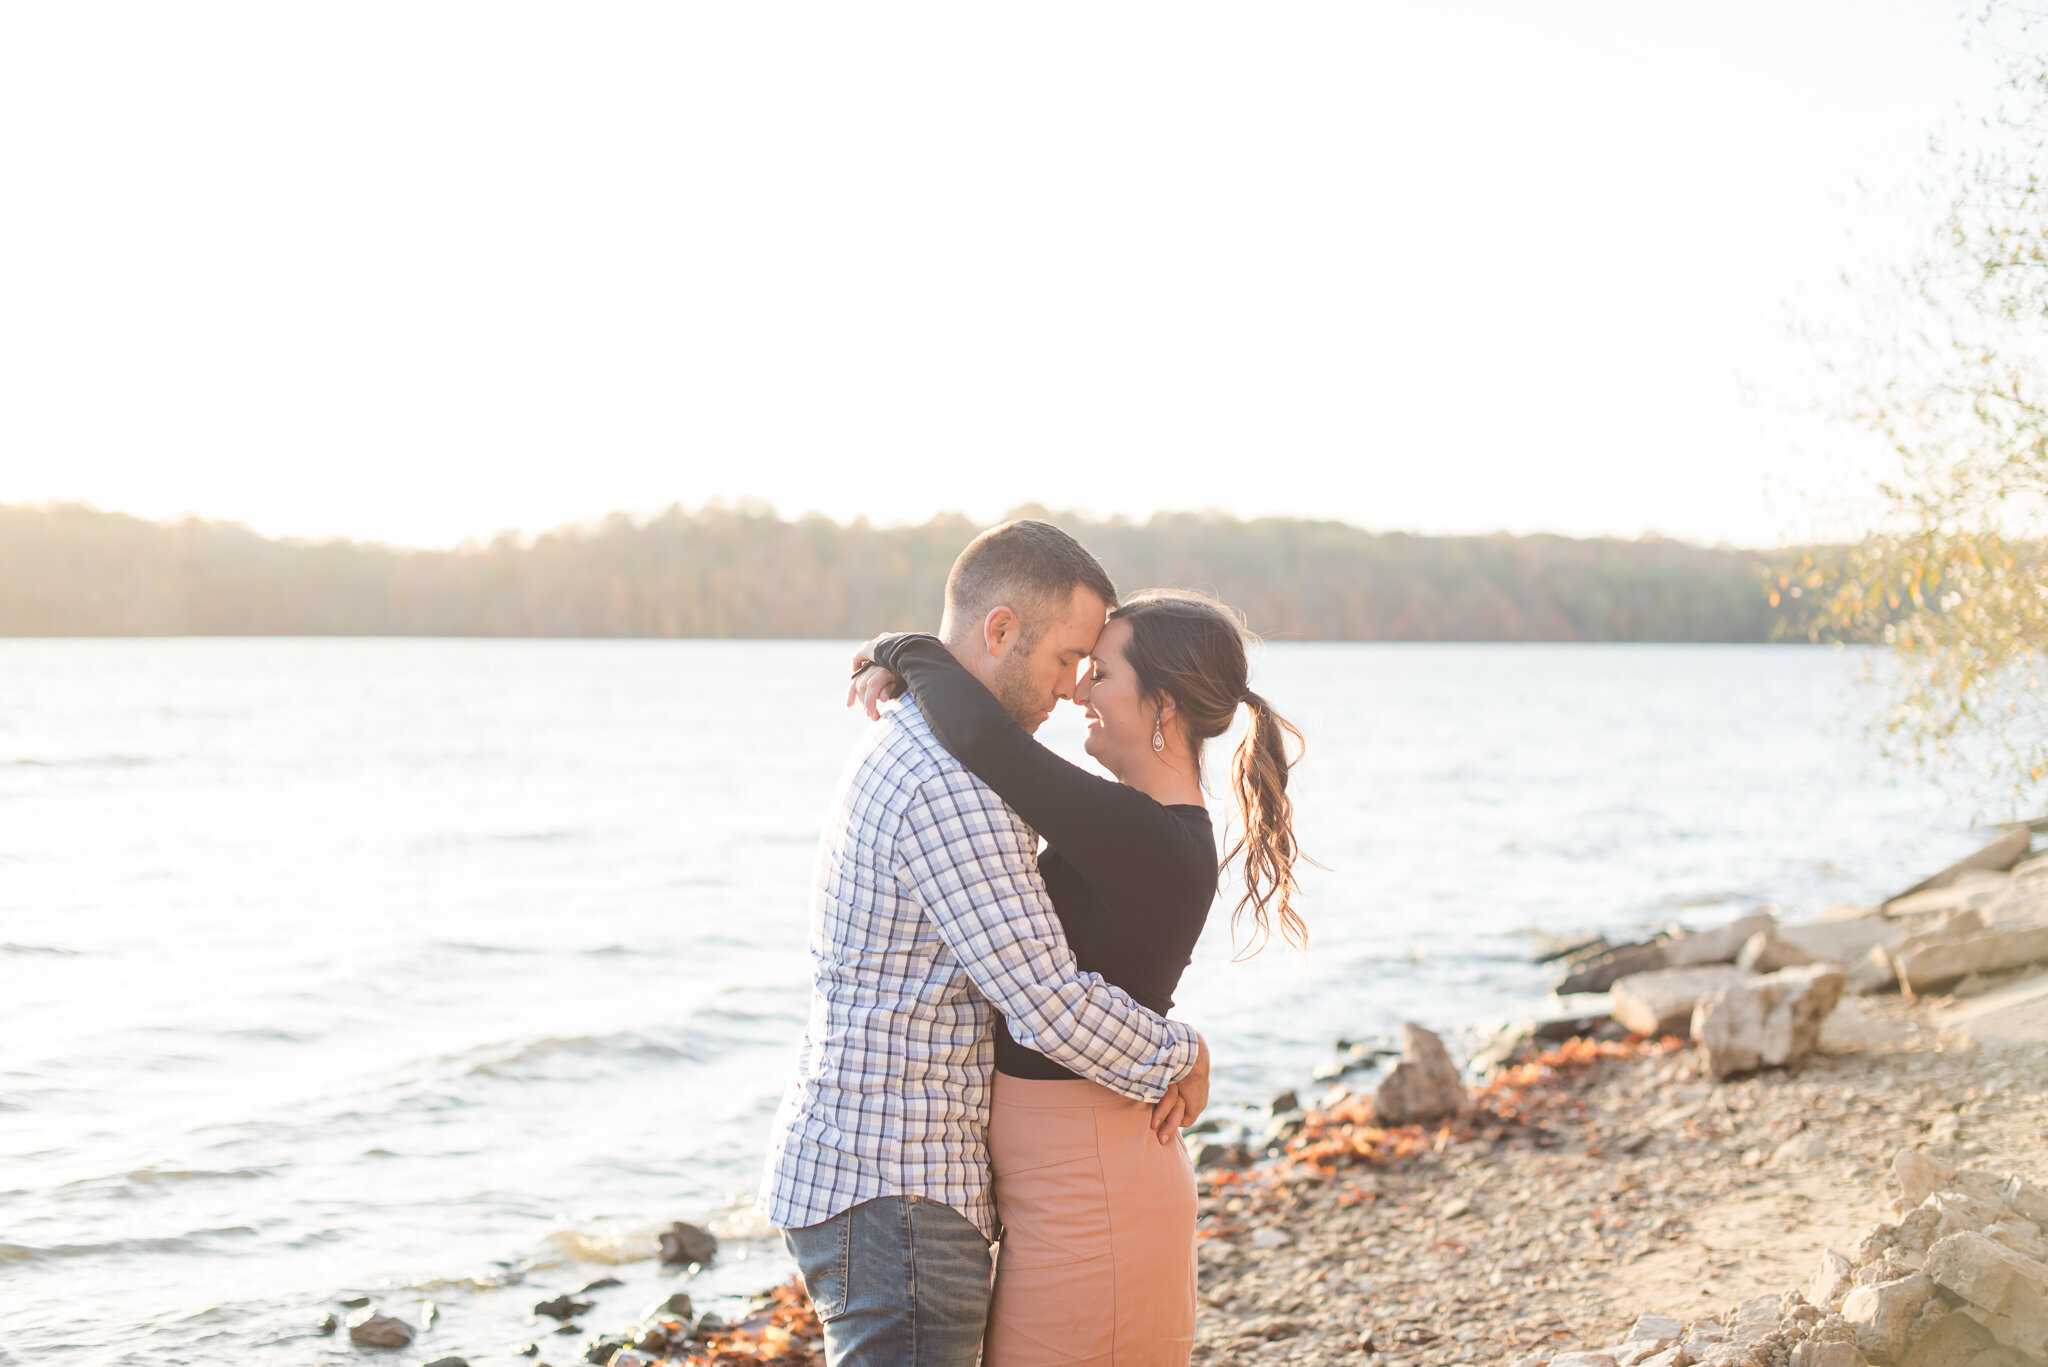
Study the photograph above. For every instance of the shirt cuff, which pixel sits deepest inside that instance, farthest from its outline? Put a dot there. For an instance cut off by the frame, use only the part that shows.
(1186, 1051)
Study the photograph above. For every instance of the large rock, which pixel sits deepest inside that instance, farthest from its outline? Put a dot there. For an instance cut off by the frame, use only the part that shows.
(1967, 921)
(1662, 1002)
(1767, 953)
(1717, 946)
(1975, 891)
(379, 1331)
(2011, 1288)
(1658, 1328)
(1842, 941)
(1882, 1313)
(1600, 972)
(2023, 1237)
(1766, 1022)
(2001, 854)
(1928, 961)
(1954, 1341)
(2008, 1019)
(1916, 1234)
(1424, 1085)
(1831, 1280)
(1919, 1175)
(1825, 1353)
(1955, 1213)
(1758, 1318)
(2029, 1200)
(2020, 902)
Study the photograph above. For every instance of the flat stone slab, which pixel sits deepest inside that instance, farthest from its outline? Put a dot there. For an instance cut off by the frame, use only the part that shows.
(1717, 946)
(1844, 941)
(1661, 1002)
(2001, 854)
(1599, 973)
(1929, 961)
(2013, 1017)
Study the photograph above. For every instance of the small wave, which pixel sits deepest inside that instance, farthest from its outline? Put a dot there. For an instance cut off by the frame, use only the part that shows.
(165, 1177)
(512, 1275)
(170, 1243)
(152, 1177)
(84, 762)
(538, 837)
(10, 948)
(270, 1033)
(449, 842)
(737, 1016)
(469, 947)
(604, 1246)
(511, 1058)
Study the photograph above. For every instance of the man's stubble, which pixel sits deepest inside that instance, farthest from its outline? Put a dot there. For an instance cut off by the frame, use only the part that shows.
(1014, 690)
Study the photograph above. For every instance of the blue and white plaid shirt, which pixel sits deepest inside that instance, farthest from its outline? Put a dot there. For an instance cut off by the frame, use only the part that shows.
(927, 907)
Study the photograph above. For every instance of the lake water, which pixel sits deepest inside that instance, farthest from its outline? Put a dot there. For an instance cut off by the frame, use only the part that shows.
(449, 970)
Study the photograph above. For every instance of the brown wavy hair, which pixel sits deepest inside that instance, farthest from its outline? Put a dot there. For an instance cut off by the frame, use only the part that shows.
(1192, 648)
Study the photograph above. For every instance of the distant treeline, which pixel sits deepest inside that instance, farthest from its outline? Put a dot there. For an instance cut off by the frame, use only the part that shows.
(70, 570)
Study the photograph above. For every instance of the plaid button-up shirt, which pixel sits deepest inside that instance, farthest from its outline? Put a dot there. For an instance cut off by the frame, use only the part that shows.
(926, 908)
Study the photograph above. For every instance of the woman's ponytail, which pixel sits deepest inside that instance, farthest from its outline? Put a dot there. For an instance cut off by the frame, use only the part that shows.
(1259, 778)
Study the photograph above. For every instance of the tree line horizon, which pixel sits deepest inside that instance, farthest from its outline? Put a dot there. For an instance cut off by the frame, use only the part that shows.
(742, 571)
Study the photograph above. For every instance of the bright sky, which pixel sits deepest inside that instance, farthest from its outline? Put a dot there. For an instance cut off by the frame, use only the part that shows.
(426, 271)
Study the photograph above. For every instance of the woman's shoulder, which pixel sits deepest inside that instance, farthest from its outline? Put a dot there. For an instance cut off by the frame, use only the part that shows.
(1194, 853)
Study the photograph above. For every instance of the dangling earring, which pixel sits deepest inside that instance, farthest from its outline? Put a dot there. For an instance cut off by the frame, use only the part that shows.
(1158, 734)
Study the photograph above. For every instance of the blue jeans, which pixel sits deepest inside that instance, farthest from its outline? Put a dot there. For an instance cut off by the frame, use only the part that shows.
(898, 1282)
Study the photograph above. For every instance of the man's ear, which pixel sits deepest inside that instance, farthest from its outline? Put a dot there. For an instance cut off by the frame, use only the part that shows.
(998, 631)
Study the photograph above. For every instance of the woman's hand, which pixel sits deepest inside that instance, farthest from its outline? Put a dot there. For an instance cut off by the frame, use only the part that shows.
(872, 685)
(871, 688)
(1185, 1100)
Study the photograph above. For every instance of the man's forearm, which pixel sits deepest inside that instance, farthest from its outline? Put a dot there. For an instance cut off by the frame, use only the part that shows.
(1091, 1027)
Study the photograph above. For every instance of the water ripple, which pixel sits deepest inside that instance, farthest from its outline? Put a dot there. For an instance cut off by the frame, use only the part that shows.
(171, 1243)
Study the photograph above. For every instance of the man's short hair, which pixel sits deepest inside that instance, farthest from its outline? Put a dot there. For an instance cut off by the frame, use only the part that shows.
(1030, 567)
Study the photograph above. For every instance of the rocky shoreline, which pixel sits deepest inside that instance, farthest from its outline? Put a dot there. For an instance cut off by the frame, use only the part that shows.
(1748, 1170)
(1761, 1145)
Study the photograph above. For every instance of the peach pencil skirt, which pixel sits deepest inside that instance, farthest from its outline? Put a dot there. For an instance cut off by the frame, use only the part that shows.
(1097, 1265)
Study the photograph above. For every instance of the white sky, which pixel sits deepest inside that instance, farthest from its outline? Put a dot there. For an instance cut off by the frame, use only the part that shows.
(425, 271)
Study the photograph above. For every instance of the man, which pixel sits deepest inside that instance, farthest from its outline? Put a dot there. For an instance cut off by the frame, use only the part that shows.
(927, 909)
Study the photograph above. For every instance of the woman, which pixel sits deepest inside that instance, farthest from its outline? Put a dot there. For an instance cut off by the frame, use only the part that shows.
(1098, 1252)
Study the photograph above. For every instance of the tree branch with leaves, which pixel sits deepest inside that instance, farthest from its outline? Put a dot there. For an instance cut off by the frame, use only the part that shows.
(1955, 576)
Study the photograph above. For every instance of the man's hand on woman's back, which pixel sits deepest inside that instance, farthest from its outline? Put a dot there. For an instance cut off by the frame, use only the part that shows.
(1185, 1100)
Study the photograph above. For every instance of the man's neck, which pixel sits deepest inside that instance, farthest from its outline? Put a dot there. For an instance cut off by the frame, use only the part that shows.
(975, 659)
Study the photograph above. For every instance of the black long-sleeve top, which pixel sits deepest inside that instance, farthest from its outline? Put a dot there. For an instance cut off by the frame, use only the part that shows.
(1131, 879)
